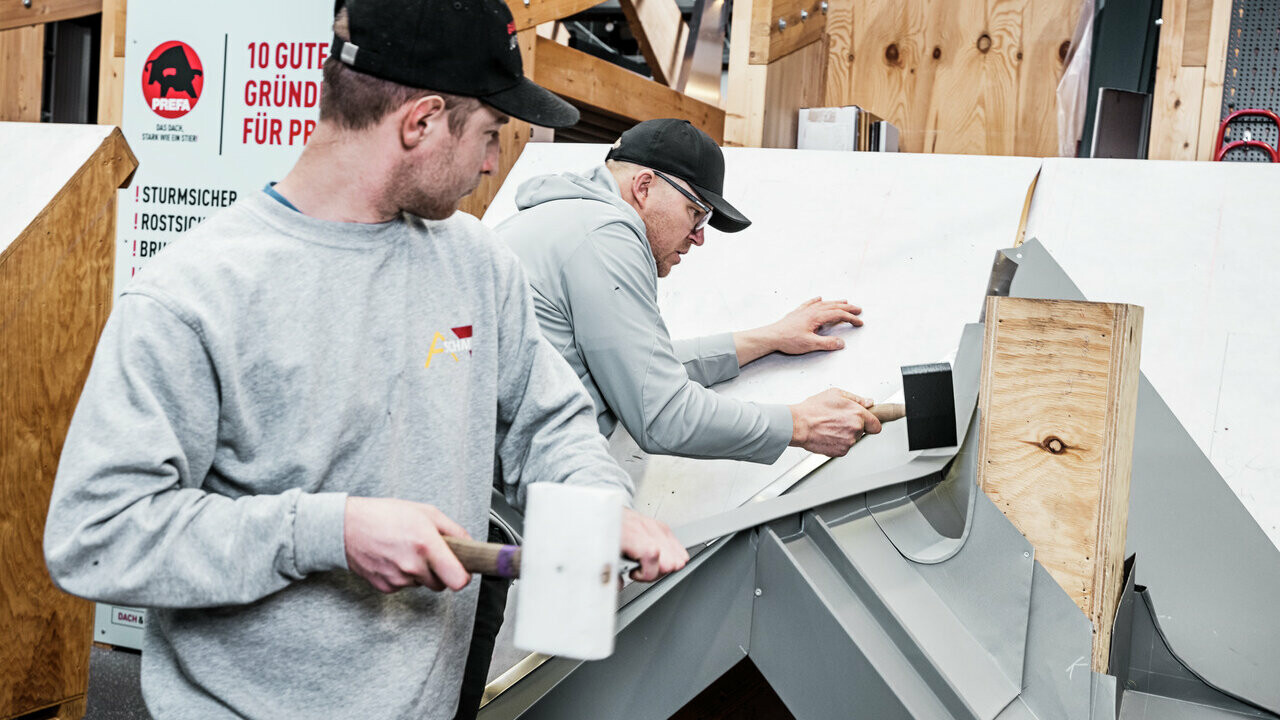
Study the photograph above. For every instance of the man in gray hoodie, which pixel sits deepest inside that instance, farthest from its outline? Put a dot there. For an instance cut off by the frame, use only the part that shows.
(294, 402)
(594, 246)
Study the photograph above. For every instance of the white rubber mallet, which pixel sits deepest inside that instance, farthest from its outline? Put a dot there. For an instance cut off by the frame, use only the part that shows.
(568, 569)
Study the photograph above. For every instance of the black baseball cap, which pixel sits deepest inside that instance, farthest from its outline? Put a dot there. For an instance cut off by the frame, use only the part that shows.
(678, 148)
(461, 47)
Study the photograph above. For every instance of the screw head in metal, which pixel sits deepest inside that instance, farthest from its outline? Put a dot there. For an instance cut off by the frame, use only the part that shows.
(26, 3)
(782, 24)
(1026, 554)
(759, 592)
(804, 15)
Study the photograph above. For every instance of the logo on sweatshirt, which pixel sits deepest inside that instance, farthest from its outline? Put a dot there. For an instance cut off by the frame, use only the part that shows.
(455, 346)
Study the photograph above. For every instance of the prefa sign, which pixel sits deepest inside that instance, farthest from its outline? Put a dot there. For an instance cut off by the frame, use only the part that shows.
(219, 99)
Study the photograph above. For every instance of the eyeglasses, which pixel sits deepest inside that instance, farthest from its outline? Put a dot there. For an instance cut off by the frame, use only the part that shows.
(702, 221)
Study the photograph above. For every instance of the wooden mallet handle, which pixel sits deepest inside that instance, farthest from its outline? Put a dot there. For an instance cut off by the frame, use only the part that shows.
(486, 558)
(888, 412)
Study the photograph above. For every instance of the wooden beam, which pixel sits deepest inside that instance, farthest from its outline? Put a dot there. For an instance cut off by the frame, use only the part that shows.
(111, 63)
(512, 138)
(600, 85)
(1215, 71)
(536, 12)
(804, 22)
(662, 33)
(22, 77)
(13, 13)
(1177, 97)
(1195, 35)
(744, 100)
(1059, 400)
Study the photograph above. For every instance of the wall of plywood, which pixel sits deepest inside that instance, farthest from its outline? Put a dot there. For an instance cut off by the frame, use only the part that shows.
(955, 76)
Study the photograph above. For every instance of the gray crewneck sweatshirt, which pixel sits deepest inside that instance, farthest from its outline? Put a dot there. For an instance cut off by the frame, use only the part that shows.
(264, 367)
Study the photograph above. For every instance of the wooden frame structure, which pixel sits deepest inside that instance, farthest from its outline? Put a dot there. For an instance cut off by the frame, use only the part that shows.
(55, 294)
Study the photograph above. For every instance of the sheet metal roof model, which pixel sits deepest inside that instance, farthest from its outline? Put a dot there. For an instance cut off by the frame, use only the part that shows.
(900, 591)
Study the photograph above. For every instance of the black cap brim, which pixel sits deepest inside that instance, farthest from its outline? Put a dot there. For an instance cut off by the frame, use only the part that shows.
(726, 217)
(535, 104)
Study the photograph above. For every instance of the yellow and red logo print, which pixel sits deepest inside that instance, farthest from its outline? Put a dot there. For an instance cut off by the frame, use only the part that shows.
(460, 343)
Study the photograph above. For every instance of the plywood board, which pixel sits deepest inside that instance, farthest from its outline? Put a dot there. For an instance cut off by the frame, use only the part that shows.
(1059, 401)
(55, 293)
(953, 77)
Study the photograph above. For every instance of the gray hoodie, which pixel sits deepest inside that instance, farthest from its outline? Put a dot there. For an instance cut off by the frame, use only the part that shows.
(595, 283)
(260, 370)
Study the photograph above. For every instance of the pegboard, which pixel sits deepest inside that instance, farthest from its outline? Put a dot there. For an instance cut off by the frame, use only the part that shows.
(1252, 78)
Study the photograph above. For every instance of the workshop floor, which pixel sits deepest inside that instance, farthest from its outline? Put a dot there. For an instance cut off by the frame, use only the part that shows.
(114, 690)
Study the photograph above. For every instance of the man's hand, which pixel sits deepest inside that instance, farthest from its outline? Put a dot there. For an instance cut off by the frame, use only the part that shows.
(395, 544)
(830, 422)
(650, 543)
(797, 332)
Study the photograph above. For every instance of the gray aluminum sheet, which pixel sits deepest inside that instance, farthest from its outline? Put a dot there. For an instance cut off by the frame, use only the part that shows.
(920, 464)
(1209, 568)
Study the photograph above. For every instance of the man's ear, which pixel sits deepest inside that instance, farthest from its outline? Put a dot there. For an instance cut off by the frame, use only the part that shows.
(641, 186)
(422, 118)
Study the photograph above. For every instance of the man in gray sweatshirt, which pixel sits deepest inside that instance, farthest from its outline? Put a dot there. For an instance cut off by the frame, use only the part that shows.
(293, 403)
(594, 246)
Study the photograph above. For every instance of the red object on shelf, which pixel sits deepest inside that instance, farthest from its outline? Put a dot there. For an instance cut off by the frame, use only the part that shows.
(1219, 150)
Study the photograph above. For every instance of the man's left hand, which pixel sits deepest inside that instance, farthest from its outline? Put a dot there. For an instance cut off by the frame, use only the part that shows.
(797, 332)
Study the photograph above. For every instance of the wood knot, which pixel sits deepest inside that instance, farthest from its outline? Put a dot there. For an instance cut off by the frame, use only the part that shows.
(1054, 445)
(984, 43)
(891, 54)
(937, 53)
(1019, 55)
(1063, 49)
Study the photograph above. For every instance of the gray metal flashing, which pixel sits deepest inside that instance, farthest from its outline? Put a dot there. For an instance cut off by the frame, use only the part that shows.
(1105, 697)
(921, 464)
(681, 642)
(821, 649)
(959, 670)
(988, 585)
(1056, 678)
(1207, 565)
(1141, 706)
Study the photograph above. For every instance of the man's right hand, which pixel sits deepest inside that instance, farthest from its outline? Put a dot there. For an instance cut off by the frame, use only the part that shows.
(650, 543)
(395, 544)
(830, 422)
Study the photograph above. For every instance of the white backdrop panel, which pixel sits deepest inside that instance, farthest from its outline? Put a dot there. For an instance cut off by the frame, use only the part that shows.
(1197, 245)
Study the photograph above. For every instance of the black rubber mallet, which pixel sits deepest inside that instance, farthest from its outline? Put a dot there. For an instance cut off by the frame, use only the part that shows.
(930, 407)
